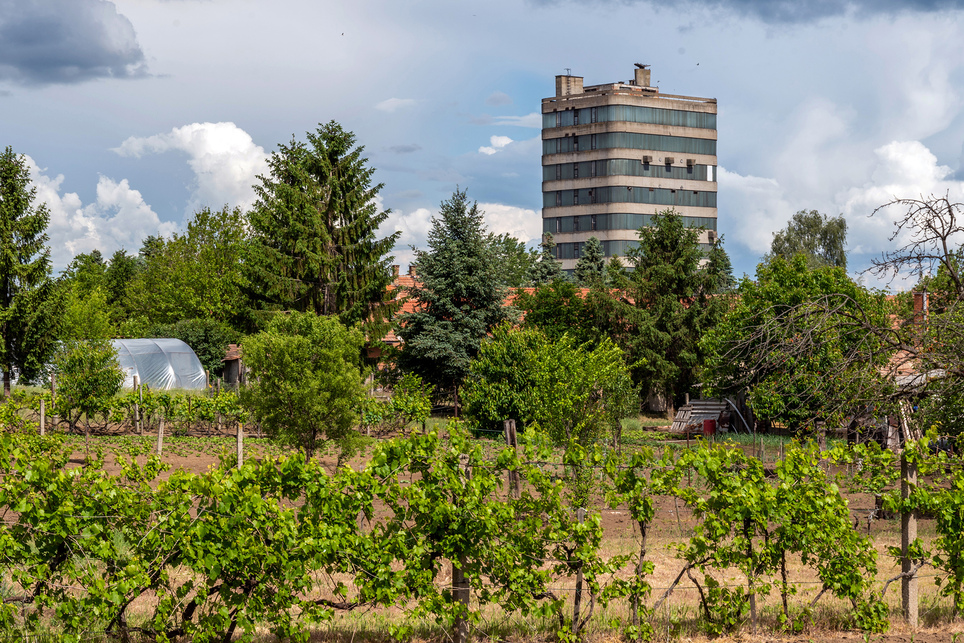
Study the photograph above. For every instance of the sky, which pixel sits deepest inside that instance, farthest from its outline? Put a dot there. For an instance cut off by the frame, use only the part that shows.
(133, 114)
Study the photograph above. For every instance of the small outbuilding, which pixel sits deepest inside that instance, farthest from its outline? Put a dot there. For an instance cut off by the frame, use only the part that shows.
(161, 364)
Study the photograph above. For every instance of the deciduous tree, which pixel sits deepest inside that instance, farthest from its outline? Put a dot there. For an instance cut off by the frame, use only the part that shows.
(819, 238)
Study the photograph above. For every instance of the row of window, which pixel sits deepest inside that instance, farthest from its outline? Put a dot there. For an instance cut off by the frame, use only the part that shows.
(615, 221)
(629, 194)
(627, 167)
(630, 114)
(610, 248)
(630, 140)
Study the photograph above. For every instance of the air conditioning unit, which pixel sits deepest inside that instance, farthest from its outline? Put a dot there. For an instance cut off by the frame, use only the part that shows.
(711, 236)
(669, 160)
(647, 159)
(690, 162)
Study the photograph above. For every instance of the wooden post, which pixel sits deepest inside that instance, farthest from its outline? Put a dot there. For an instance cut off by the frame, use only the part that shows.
(43, 416)
(53, 397)
(460, 586)
(634, 604)
(751, 589)
(908, 533)
(207, 381)
(577, 599)
(511, 440)
(140, 397)
(137, 407)
(160, 435)
(240, 444)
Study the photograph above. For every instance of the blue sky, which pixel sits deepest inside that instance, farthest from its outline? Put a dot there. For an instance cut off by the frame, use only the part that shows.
(134, 113)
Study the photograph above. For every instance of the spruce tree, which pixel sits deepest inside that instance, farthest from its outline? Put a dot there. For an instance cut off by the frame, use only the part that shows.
(29, 300)
(591, 267)
(315, 246)
(459, 297)
(547, 269)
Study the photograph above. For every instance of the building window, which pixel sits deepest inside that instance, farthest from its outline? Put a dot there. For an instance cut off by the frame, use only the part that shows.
(593, 141)
(594, 114)
(592, 199)
(592, 167)
(558, 199)
(575, 143)
(558, 119)
(558, 225)
(575, 117)
(575, 170)
(592, 220)
(558, 172)
(575, 224)
(575, 197)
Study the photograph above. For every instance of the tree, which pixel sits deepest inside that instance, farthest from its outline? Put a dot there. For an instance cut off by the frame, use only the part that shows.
(547, 269)
(558, 308)
(88, 376)
(661, 308)
(306, 383)
(86, 315)
(513, 258)
(796, 340)
(208, 338)
(591, 267)
(459, 299)
(195, 275)
(819, 238)
(315, 245)
(29, 300)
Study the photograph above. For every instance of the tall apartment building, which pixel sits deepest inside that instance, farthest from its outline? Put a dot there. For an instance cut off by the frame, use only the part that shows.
(615, 154)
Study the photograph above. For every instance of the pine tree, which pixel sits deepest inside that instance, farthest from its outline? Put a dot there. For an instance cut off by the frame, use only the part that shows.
(591, 267)
(314, 226)
(29, 310)
(459, 299)
(547, 269)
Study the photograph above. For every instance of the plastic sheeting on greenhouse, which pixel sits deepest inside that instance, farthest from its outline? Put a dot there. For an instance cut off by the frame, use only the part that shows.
(162, 364)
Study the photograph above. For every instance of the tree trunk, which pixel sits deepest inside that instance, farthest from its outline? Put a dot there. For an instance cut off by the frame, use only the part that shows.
(6, 383)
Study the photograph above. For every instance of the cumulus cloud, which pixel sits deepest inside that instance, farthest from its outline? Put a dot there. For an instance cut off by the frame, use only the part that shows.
(496, 144)
(394, 104)
(521, 223)
(66, 41)
(224, 158)
(498, 98)
(118, 218)
(794, 11)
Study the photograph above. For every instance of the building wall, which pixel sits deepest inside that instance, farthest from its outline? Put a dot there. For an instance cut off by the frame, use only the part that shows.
(615, 154)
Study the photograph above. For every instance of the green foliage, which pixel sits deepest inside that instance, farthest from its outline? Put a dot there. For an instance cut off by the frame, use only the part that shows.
(660, 309)
(307, 386)
(819, 238)
(88, 377)
(591, 267)
(558, 308)
(512, 257)
(29, 301)
(195, 275)
(458, 299)
(86, 315)
(208, 338)
(798, 339)
(314, 232)
(546, 269)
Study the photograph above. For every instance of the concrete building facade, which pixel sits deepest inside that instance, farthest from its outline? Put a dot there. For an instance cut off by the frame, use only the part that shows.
(615, 154)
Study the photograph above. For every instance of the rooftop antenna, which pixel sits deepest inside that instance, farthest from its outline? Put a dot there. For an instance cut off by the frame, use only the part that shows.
(568, 71)
(642, 66)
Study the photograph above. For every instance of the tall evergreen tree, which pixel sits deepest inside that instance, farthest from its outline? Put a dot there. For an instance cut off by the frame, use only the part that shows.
(459, 299)
(547, 269)
(314, 226)
(591, 267)
(29, 313)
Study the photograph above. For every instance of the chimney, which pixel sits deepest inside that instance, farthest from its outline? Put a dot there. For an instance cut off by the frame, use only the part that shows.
(642, 76)
(568, 85)
(411, 270)
(395, 272)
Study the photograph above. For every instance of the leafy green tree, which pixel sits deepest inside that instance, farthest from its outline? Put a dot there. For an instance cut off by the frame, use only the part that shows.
(819, 238)
(315, 246)
(559, 308)
(29, 300)
(661, 308)
(208, 338)
(591, 267)
(86, 315)
(791, 339)
(195, 275)
(306, 383)
(459, 299)
(513, 258)
(88, 376)
(546, 269)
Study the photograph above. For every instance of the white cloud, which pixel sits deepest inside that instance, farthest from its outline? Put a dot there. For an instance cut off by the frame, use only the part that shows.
(521, 223)
(394, 104)
(759, 203)
(118, 218)
(533, 120)
(497, 143)
(224, 158)
(498, 98)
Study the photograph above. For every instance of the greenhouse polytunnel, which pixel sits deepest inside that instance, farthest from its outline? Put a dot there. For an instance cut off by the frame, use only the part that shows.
(161, 364)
